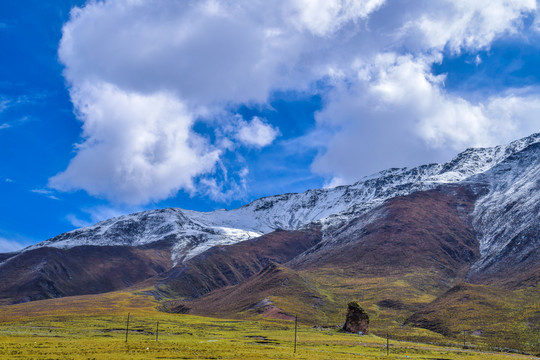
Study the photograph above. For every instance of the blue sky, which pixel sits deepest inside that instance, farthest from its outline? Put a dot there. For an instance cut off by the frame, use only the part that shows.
(111, 107)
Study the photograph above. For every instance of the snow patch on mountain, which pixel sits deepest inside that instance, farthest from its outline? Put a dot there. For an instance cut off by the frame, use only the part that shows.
(192, 232)
(507, 218)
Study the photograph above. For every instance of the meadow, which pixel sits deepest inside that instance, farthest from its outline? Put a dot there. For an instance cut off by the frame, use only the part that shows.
(94, 327)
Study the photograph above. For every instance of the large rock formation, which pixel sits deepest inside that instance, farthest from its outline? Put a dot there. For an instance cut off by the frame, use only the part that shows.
(357, 320)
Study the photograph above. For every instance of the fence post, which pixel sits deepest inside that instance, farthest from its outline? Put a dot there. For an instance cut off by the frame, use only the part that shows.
(157, 330)
(127, 327)
(387, 344)
(295, 330)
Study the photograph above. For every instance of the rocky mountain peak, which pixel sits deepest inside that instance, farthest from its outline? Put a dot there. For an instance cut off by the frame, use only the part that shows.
(192, 232)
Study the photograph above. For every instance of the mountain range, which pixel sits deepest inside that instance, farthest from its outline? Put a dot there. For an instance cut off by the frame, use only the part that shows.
(409, 243)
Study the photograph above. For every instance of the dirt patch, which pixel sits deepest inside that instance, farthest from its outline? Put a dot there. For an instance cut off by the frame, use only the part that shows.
(274, 312)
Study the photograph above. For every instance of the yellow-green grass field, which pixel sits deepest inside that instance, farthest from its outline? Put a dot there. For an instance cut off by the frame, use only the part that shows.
(94, 327)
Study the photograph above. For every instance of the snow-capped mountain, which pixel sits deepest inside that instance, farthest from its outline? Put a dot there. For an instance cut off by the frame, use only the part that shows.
(507, 218)
(474, 219)
(191, 232)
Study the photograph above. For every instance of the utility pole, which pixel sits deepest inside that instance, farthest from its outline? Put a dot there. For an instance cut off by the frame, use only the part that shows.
(387, 344)
(295, 330)
(127, 327)
(157, 330)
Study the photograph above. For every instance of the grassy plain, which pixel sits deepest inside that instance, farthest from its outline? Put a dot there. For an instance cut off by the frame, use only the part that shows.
(94, 327)
(491, 317)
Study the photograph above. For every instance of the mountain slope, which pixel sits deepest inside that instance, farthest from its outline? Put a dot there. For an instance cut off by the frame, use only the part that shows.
(479, 210)
(262, 294)
(507, 218)
(427, 229)
(194, 232)
(226, 265)
(44, 273)
(409, 250)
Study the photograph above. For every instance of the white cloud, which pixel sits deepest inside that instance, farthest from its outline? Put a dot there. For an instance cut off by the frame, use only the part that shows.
(441, 119)
(205, 52)
(77, 222)
(256, 133)
(323, 17)
(4, 103)
(10, 245)
(477, 60)
(42, 191)
(137, 148)
(217, 191)
(141, 73)
(514, 113)
(463, 24)
(46, 192)
(27, 99)
(8, 103)
(536, 23)
(17, 122)
(400, 115)
(336, 181)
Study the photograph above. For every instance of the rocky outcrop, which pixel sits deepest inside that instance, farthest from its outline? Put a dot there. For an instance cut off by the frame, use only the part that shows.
(357, 320)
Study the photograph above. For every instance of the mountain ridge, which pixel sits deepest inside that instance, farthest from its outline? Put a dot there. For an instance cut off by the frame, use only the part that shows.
(406, 222)
(194, 232)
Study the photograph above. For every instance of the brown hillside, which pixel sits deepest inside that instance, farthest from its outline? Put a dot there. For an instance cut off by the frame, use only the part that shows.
(265, 293)
(46, 273)
(231, 264)
(426, 230)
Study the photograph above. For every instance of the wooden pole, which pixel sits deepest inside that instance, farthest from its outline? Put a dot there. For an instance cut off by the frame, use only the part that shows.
(464, 344)
(387, 344)
(127, 327)
(157, 330)
(295, 330)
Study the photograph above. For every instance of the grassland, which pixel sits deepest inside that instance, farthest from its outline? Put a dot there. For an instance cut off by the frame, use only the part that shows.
(417, 306)
(491, 317)
(94, 327)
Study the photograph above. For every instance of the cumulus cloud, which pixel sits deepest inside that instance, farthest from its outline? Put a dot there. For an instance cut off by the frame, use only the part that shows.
(441, 119)
(205, 52)
(462, 24)
(137, 148)
(142, 74)
(323, 17)
(256, 133)
(536, 23)
(400, 115)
